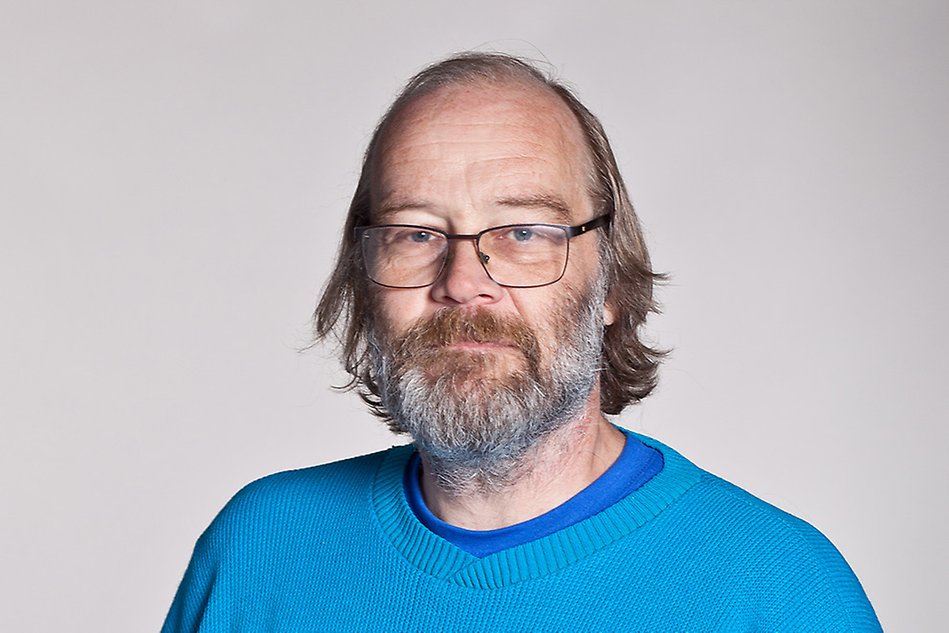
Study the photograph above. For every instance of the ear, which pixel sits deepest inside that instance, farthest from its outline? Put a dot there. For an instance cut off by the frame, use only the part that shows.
(609, 316)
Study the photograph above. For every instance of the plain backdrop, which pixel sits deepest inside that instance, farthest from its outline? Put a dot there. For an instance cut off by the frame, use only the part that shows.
(173, 181)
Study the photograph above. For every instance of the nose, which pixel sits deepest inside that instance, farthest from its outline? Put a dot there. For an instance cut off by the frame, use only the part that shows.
(464, 280)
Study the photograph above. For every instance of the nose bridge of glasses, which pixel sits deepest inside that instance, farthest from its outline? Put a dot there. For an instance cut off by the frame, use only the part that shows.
(460, 239)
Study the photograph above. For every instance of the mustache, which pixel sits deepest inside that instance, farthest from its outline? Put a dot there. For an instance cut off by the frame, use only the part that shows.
(453, 325)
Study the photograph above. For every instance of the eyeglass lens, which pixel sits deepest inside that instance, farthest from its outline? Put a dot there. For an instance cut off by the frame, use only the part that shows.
(521, 256)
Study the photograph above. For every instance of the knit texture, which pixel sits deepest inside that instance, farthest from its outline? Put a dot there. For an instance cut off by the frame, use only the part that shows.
(337, 548)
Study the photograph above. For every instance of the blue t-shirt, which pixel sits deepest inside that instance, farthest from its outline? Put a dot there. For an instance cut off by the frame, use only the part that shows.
(636, 465)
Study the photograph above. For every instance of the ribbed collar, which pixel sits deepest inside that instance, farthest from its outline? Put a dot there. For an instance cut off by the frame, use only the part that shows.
(437, 557)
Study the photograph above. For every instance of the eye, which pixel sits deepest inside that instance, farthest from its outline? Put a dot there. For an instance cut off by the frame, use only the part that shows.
(420, 236)
(522, 233)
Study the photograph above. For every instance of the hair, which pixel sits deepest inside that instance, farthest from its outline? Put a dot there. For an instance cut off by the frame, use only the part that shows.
(629, 365)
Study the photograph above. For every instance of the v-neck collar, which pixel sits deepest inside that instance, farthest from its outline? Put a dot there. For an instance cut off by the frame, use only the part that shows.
(437, 557)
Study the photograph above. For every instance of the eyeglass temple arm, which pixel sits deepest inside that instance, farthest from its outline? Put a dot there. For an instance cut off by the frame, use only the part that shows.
(595, 223)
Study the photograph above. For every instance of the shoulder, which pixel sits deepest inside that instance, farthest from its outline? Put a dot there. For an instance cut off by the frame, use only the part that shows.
(727, 507)
(272, 526)
(766, 529)
(773, 557)
(341, 477)
(793, 563)
(294, 499)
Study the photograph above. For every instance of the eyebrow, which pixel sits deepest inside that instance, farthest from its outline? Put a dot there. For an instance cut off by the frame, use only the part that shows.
(395, 206)
(537, 201)
(540, 201)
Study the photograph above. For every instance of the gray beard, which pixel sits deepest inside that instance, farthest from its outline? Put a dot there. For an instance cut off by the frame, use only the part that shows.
(477, 432)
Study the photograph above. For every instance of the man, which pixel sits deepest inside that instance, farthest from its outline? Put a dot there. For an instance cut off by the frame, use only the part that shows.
(489, 291)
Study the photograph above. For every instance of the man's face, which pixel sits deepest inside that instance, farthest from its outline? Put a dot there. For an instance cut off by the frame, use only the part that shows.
(464, 159)
(469, 157)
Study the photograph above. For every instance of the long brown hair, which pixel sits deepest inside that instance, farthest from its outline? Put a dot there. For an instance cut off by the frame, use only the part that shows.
(629, 365)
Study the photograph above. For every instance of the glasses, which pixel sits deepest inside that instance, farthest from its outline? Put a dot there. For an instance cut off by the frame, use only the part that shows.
(513, 255)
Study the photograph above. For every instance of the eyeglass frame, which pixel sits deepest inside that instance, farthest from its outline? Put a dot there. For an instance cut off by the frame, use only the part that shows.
(571, 231)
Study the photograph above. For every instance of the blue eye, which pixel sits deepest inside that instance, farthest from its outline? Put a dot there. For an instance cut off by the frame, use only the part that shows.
(522, 234)
(420, 236)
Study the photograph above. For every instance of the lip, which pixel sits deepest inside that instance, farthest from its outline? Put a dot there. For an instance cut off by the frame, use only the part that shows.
(481, 346)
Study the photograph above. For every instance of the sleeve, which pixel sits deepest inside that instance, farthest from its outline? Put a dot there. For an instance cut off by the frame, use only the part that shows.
(821, 593)
(209, 598)
(200, 594)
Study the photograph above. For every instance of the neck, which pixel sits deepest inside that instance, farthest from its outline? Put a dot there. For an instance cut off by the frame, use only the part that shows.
(566, 462)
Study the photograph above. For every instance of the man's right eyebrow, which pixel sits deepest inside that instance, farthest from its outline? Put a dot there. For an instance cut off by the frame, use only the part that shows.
(388, 208)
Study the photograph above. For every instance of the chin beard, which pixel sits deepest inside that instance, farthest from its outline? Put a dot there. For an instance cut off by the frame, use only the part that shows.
(474, 414)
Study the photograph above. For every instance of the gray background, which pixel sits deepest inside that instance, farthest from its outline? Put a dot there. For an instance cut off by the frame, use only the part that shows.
(173, 178)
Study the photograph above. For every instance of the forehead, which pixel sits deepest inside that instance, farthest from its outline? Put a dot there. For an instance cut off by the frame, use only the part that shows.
(484, 142)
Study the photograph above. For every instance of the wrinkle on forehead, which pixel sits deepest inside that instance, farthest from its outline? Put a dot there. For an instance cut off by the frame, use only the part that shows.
(513, 104)
(473, 112)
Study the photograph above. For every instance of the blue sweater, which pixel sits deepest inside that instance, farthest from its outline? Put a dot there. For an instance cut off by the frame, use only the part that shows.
(337, 548)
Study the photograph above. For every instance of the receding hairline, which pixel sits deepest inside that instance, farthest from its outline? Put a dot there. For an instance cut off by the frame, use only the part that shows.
(512, 79)
(489, 70)
(473, 68)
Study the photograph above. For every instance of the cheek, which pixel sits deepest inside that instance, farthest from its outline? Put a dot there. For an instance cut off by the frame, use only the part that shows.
(400, 308)
(541, 310)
